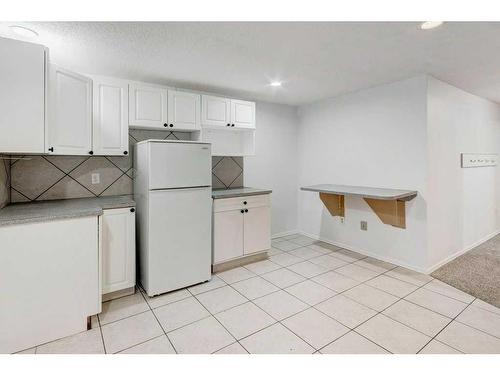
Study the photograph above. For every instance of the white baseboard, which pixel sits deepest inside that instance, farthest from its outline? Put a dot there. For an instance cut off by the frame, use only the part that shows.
(367, 253)
(398, 262)
(283, 234)
(461, 252)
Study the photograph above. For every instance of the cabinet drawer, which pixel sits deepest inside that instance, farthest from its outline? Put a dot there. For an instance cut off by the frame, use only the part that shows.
(226, 204)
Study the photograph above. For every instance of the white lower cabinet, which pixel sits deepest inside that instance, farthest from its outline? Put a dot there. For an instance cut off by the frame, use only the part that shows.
(241, 227)
(257, 230)
(49, 281)
(228, 235)
(118, 249)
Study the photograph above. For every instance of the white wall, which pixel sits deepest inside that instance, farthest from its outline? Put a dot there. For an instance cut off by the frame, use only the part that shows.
(275, 163)
(462, 203)
(375, 137)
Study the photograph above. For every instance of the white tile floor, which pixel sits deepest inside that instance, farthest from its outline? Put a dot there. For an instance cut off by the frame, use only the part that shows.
(309, 297)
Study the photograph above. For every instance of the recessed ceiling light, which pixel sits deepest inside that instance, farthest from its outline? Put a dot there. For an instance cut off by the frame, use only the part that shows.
(427, 25)
(275, 84)
(23, 31)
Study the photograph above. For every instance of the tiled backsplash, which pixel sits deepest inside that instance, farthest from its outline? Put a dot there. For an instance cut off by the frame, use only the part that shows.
(63, 177)
(4, 182)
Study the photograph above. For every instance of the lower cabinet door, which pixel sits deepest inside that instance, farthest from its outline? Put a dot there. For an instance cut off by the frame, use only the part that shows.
(228, 235)
(118, 249)
(257, 230)
(49, 281)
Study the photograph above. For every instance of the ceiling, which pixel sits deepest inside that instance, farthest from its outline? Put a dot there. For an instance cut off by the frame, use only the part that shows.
(314, 60)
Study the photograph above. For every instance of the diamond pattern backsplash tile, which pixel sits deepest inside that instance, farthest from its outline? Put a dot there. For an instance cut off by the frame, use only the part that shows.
(4, 182)
(62, 177)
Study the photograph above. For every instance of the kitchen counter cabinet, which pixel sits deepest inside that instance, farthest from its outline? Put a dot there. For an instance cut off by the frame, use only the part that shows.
(49, 281)
(241, 227)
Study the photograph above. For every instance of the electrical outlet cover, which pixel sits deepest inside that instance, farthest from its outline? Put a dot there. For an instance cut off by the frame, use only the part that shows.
(364, 225)
(96, 178)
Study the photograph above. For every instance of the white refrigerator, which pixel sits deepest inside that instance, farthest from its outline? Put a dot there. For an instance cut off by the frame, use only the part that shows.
(173, 194)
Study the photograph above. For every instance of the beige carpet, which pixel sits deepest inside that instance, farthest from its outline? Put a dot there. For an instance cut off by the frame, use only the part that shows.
(477, 272)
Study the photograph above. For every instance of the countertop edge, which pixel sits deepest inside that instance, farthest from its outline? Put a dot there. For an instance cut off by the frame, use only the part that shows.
(241, 194)
(94, 207)
(404, 196)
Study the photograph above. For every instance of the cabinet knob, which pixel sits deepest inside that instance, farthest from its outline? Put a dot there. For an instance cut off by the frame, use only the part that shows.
(132, 210)
(91, 152)
(246, 209)
(232, 124)
(245, 202)
(228, 124)
(51, 149)
(242, 211)
(125, 152)
(171, 125)
(165, 125)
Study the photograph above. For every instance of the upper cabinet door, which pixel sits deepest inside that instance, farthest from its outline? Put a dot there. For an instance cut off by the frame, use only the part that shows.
(69, 129)
(110, 133)
(183, 110)
(22, 97)
(242, 114)
(147, 106)
(215, 111)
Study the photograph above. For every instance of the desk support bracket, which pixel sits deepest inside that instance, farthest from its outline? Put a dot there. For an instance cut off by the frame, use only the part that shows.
(334, 203)
(390, 212)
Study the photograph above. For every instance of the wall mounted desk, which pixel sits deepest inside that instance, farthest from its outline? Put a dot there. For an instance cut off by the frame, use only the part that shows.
(388, 204)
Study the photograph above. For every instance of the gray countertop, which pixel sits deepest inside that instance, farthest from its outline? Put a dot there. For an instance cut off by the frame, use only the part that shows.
(363, 191)
(238, 192)
(20, 213)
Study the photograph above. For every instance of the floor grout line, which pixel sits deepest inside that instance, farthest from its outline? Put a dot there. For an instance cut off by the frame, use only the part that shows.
(308, 305)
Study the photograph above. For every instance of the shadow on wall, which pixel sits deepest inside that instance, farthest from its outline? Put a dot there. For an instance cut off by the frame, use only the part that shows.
(50, 177)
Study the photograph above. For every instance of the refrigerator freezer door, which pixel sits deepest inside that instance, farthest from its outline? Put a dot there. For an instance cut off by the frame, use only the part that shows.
(180, 230)
(179, 165)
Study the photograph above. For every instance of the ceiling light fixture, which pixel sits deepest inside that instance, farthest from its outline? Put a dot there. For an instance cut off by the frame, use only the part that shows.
(427, 25)
(275, 84)
(23, 31)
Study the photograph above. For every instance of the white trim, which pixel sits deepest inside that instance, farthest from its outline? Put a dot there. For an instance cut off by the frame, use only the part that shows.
(283, 234)
(463, 251)
(367, 253)
(398, 262)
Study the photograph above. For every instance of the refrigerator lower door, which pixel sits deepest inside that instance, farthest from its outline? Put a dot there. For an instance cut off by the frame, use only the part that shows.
(179, 165)
(180, 227)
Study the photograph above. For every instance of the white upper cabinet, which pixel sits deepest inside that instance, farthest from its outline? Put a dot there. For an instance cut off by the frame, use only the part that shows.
(183, 110)
(147, 106)
(215, 111)
(22, 97)
(110, 128)
(242, 114)
(230, 113)
(69, 127)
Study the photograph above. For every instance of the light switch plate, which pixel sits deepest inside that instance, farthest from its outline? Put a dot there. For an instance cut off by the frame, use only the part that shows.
(364, 225)
(478, 160)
